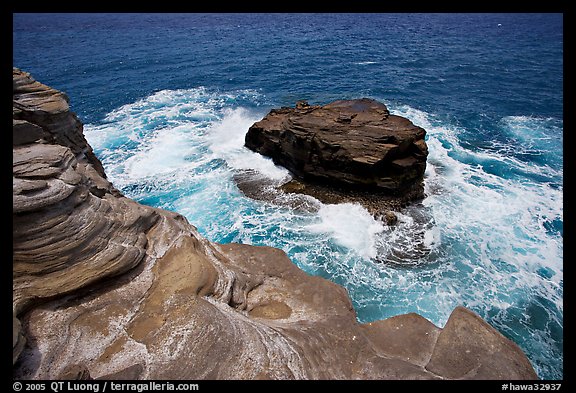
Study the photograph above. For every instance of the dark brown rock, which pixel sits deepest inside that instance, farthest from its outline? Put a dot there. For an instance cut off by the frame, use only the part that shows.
(24, 132)
(390, 217)
(351, 144)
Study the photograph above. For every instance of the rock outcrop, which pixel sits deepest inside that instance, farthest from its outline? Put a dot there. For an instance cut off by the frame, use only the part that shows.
(350, 144)
(106, 288)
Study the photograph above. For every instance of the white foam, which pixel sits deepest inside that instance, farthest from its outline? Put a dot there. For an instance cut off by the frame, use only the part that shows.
(163, 152)
(226, 140)
(431, 237)
(534, 128)
(485, 233)
(351, 226)
(162, 136)
(536, 136)
(505, 215)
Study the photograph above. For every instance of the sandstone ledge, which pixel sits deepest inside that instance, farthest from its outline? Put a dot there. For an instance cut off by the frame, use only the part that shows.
(107, 288)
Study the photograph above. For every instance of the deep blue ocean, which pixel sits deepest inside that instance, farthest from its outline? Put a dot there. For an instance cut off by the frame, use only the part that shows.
(166, 100)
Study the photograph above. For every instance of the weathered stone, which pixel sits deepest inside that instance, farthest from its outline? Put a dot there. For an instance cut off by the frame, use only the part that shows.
(48, 109)
(390, 217)
(131, 373)
(409, 337)
(470, 348)
(24, 132)
(352, 144)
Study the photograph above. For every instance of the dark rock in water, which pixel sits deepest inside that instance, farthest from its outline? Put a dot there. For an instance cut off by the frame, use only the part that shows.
(259, 187)
(349, 151)
(390, 217)
(349, 144)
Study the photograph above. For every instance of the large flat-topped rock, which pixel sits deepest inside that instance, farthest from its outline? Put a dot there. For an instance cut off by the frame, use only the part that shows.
(353, 144)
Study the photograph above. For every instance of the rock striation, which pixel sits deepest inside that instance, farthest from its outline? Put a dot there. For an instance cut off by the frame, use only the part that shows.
(350, 144)
(106, 288)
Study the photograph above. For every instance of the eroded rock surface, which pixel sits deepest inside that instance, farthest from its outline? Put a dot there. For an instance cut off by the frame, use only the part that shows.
(350, 144)
(107, 288)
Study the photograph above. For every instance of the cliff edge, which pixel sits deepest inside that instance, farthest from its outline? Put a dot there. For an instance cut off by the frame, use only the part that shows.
(104, 287)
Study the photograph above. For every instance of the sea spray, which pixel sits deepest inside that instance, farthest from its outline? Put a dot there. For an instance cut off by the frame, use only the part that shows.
(350, 226)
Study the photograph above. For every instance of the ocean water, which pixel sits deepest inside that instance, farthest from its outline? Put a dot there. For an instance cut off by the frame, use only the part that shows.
(167, 99)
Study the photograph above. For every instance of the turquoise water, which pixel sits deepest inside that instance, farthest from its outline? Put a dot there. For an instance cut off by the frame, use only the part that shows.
(167, 99)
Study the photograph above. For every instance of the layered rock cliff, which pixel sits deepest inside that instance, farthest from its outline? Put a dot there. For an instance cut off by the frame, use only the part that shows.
(351, 144)
(107, 288)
